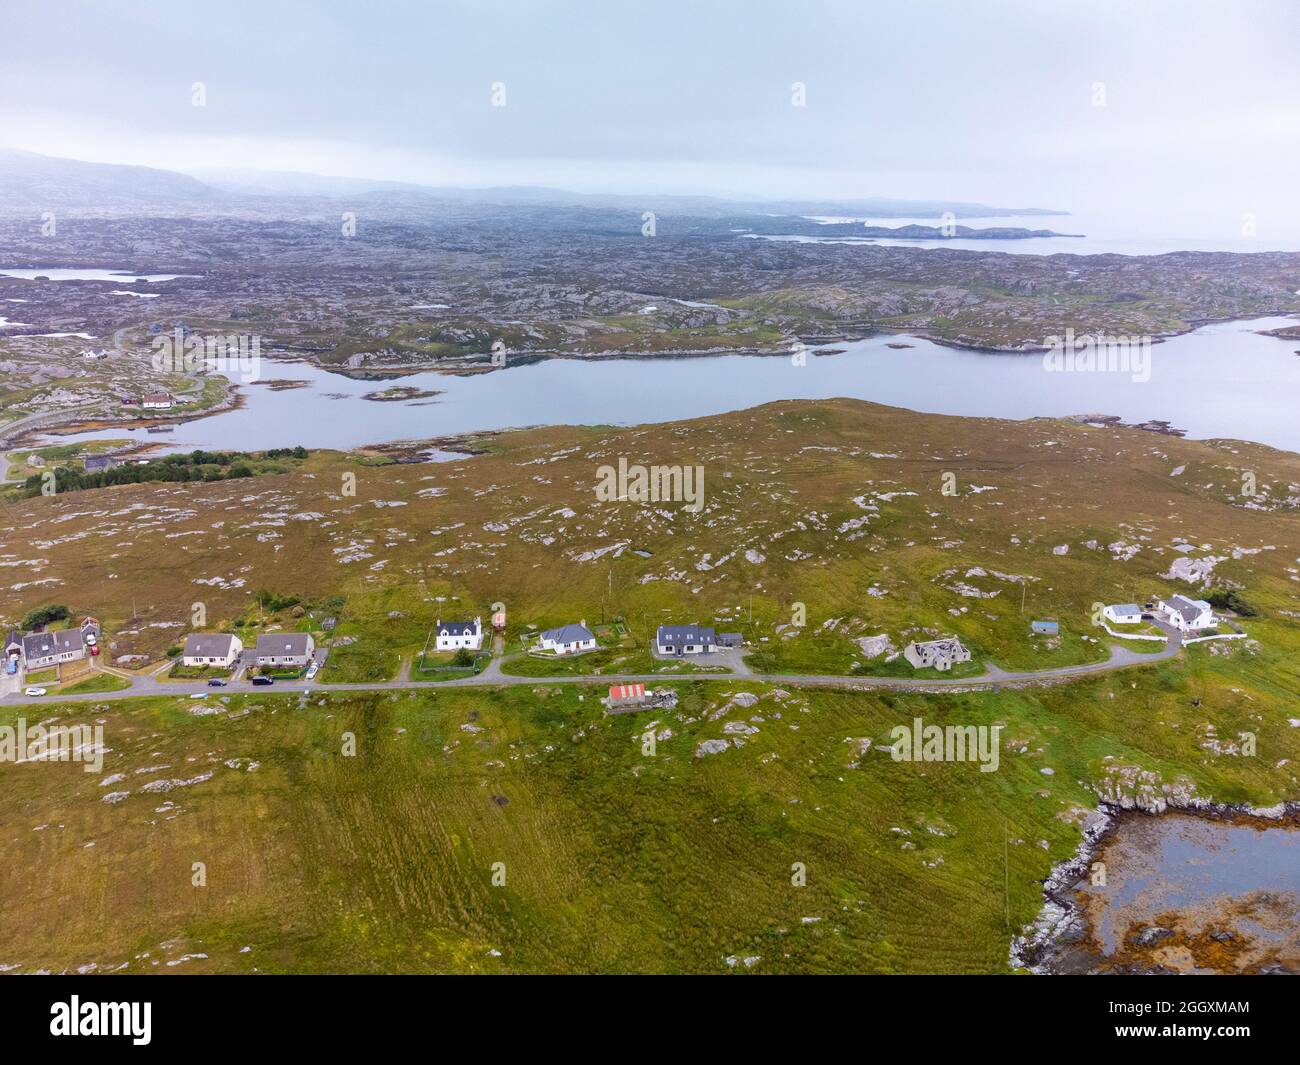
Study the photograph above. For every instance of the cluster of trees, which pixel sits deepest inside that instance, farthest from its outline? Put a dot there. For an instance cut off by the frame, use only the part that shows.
(43, 615)
(195, 466)
(1227, 599)
(71, 479)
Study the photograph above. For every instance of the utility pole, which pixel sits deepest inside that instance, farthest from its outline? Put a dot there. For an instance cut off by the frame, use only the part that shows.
(1006, 875)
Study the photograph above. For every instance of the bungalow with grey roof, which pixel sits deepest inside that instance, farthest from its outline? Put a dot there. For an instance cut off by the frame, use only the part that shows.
(568, 639)
(1122, 613)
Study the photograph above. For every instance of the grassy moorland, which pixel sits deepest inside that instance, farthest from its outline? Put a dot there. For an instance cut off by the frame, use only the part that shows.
(614, 860)
(858, 520)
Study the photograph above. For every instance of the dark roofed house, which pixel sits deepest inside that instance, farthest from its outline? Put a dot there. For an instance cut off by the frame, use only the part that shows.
(568, 639)
(211, 649)
(453, 635)
(42, 649)
(94, 463)
(685, 640)
(14, 644)
(293, 649)
(1188, 615)
(730, 639)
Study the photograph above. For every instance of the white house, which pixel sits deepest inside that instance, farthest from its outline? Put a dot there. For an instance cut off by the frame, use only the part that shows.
(156, 401)
(568, 639)
(1122, 613)
(936, 654)
(293, 649)
(1188, 615)
(218, 649)
(453, 635)
(685, 640)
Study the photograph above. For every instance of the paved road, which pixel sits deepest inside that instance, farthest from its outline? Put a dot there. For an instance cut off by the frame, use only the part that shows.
(492, 677)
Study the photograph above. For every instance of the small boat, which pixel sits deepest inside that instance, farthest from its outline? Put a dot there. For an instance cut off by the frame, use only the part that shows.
(162, 429)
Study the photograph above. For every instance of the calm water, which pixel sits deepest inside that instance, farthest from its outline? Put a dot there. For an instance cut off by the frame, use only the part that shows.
(1194, 866)
(87, 273)
(1223, 380)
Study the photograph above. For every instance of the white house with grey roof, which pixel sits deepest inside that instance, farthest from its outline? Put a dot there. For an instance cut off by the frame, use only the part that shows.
(1122, 613)
(685, 640)
(454, 635)
(940, 654)
(219, 649)
(1187, 615)
(568, 639)
(285, 649)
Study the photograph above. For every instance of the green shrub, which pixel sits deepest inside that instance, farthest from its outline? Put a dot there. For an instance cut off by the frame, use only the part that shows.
(1227, 599)
(43, 615)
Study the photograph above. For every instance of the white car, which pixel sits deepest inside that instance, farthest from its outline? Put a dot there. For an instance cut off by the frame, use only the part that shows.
(311, 670)
(199, 695)
(91, 639)
(35, 691)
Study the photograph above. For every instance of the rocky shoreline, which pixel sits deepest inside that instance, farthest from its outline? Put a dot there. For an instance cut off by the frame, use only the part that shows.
(1061, 924)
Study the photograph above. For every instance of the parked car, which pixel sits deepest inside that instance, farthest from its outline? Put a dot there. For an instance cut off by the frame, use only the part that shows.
(263, 680)
(12, 666)
(91, 639)
(312, 669)
(199, 695)
(35, 691)
(94, 649)
(216, 682)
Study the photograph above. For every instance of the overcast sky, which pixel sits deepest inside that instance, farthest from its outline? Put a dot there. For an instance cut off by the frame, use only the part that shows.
(994, 101)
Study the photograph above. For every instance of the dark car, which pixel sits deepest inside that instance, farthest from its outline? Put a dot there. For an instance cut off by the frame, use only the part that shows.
(263, 680)
(216, 682)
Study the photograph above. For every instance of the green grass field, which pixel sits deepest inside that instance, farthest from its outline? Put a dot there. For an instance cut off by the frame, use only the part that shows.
(383, 861)
(614, 861)
(96, 682)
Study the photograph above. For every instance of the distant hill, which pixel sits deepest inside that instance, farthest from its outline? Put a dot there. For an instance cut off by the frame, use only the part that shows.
(295, 183)
(298, 183)
(31, 182)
